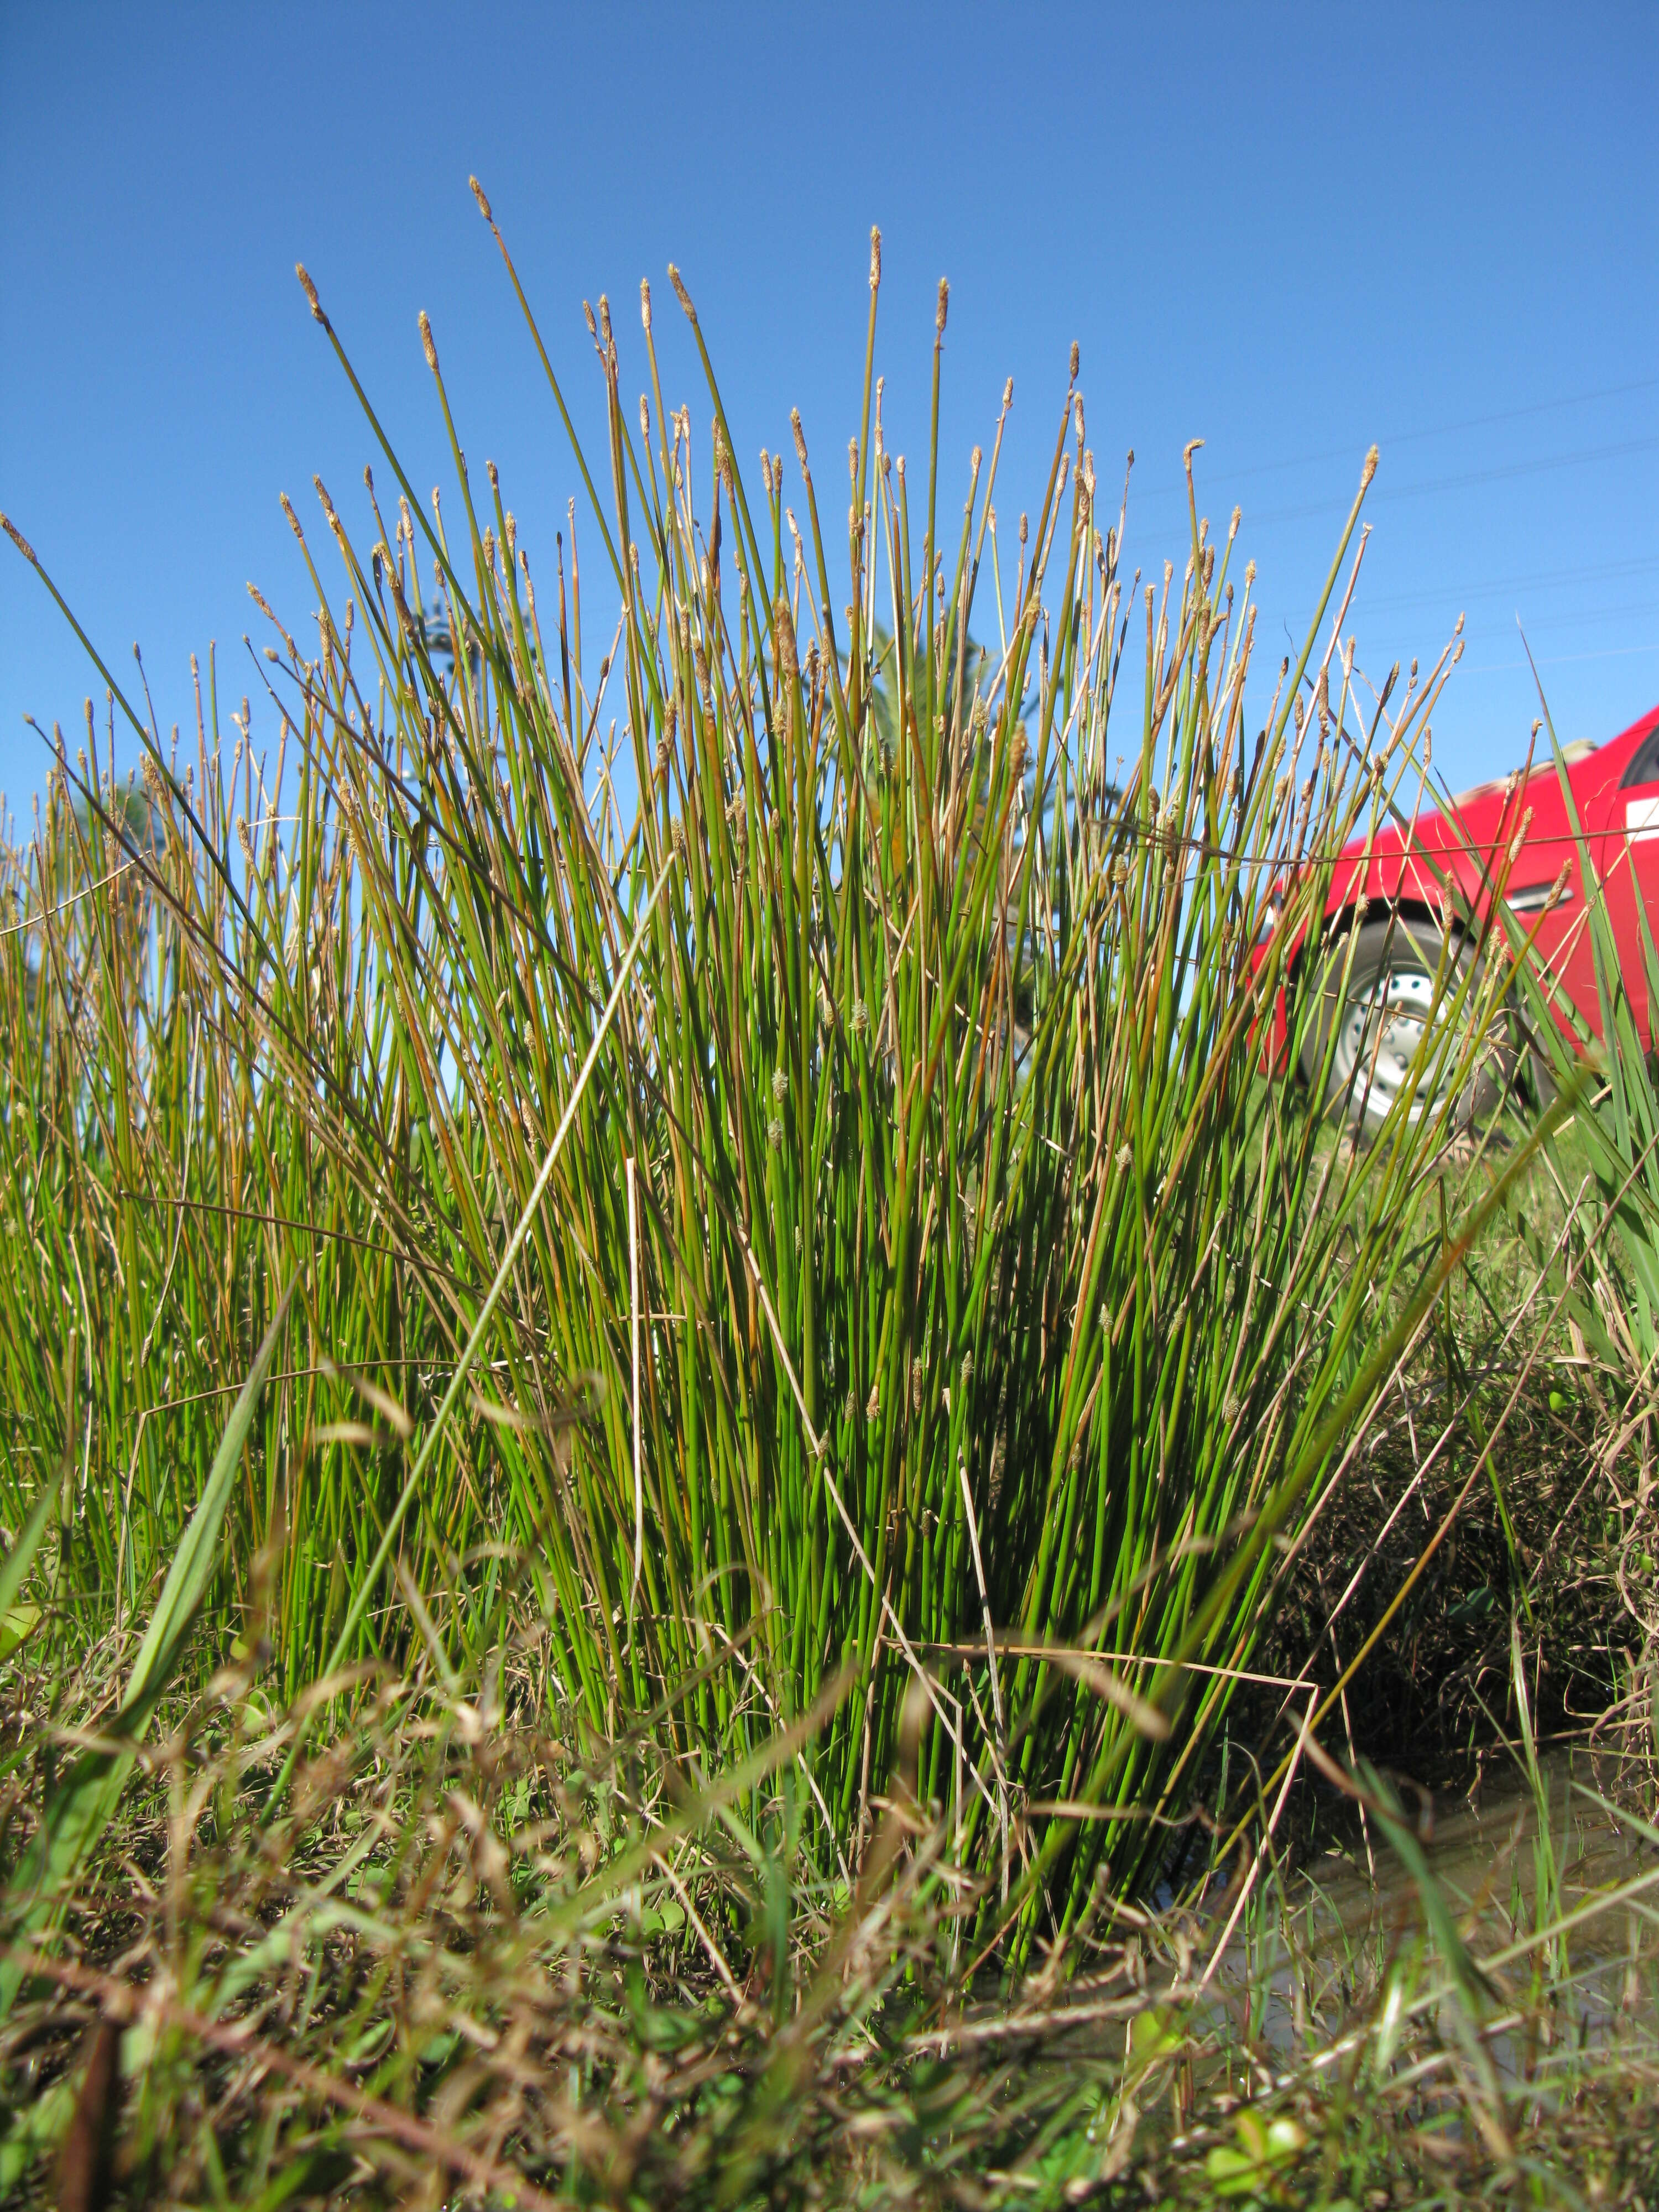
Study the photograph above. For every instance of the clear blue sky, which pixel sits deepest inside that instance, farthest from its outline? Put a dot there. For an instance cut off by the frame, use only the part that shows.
(1289, 231)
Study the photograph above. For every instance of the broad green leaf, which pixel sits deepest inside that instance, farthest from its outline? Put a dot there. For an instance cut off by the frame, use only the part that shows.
(85, 1801)
(14, 1572)
(17, 1625)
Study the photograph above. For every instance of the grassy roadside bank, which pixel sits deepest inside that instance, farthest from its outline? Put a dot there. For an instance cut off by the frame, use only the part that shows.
(794, 1372)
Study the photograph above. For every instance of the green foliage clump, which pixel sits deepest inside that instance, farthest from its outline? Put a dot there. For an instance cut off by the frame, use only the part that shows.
(772, 1136)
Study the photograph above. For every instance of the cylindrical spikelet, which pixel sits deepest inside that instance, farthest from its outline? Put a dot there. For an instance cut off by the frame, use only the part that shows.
(310, 291)
(783, 632)
(18, 540)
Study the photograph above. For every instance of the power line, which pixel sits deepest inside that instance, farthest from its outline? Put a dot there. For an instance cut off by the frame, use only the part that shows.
(1418, 437)
(1644, 607)
(1465, 480)
(1540, 579)
(1559, 659)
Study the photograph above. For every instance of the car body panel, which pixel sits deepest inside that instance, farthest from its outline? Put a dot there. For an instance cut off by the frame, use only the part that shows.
(1423, 863)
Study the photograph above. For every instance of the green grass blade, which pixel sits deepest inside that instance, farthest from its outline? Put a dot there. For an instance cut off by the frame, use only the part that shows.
(14, 1573)
(81, 1808)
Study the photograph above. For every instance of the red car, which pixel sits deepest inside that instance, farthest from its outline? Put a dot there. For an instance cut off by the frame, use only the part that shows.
(1395, 901)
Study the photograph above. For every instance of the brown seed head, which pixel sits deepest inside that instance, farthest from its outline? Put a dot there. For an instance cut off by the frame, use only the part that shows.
(329, 515)
(1369, 469)
(479, 195)
(18, 540)
(605, 319)
(645, 304)
(784, 630)
(1077, 360)
(681, 295)
(943, 308)
(592, 327)
(1008, 395)
(310, 291)
(427, 346)
(875, 256)
(293, 519)
(800, 438)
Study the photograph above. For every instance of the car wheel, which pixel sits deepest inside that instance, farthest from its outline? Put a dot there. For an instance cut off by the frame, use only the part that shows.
(1366, 1031)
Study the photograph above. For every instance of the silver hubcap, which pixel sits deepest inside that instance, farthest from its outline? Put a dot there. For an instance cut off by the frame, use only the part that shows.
(1380, 1033)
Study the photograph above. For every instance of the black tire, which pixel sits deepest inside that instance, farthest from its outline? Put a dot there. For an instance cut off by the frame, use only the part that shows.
(1362, 1042)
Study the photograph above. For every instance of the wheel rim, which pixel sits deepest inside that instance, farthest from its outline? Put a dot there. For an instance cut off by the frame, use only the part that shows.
(1380, 1034)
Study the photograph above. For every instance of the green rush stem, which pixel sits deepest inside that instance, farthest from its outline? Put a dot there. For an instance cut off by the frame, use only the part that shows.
(516, 1244)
